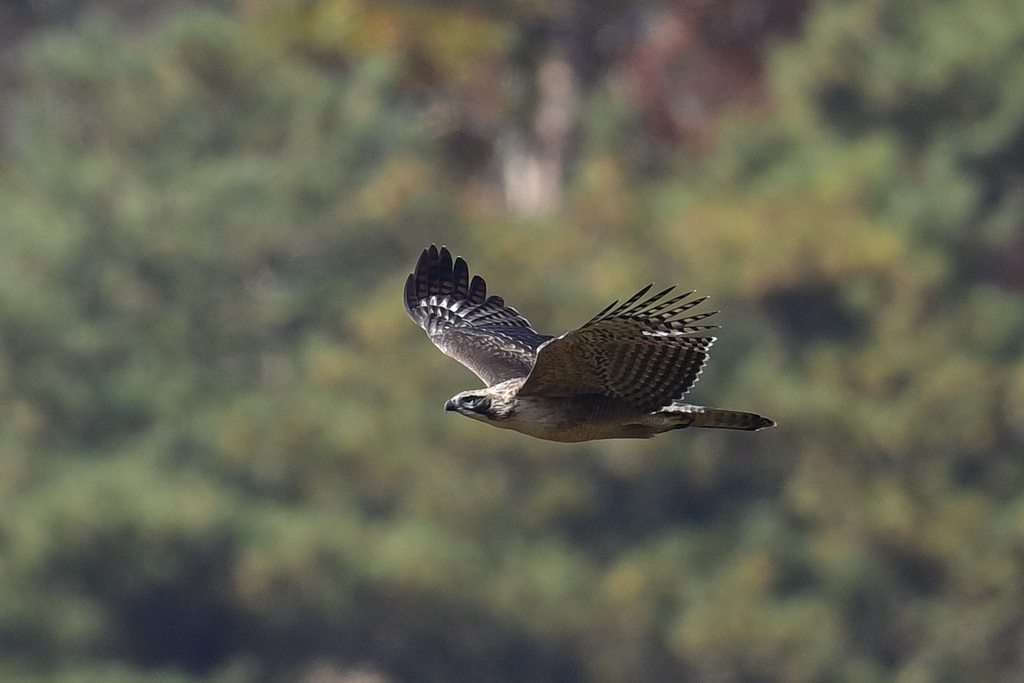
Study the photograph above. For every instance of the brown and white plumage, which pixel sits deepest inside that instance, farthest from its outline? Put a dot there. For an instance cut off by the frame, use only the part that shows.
(622, 374)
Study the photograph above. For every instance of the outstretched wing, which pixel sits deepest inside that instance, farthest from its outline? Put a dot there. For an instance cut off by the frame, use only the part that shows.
(479, 331)
(641, 352)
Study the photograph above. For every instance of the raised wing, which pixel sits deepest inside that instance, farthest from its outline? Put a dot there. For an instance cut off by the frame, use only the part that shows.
(641, 352)
(481, 332)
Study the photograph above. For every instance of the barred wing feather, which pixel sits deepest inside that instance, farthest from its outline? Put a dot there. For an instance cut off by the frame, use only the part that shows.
(488, 337)
(643, 351)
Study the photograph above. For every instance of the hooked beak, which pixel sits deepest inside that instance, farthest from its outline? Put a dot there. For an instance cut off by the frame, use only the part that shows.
(449, 406)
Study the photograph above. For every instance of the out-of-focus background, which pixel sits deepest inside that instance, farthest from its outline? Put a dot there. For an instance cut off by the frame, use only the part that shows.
(223, 455)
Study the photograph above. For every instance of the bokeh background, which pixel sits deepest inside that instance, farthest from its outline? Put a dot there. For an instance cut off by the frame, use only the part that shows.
(223, 455)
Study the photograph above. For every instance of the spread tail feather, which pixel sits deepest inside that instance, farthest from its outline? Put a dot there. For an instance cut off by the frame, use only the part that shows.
(701, 416)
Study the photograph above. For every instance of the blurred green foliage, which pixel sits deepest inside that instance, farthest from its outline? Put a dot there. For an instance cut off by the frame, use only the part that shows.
(222, 450)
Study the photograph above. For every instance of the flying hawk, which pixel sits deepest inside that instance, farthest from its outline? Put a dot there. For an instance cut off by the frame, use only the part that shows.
(623, 374)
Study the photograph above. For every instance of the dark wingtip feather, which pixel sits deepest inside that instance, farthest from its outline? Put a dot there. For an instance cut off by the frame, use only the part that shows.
(477, 293)
(460, 278)
(688, 322)
(632, 300)
(444, 270)
(412, 299)
(438, 274)
(655, 307)
(650, 301)
(420, 273)
(431, 272)
(604, 311)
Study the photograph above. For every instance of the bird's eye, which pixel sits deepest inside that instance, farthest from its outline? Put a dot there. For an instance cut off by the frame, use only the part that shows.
(478, 404)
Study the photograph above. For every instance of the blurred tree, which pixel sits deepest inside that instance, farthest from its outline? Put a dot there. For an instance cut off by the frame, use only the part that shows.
(221, 449)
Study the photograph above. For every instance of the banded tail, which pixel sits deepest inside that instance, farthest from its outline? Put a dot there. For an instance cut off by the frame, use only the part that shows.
(716, 418)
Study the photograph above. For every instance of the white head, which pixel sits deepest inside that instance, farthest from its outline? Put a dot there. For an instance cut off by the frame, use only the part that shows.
(485, 405)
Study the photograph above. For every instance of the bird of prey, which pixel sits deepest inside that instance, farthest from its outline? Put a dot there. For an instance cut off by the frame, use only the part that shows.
(623, 374)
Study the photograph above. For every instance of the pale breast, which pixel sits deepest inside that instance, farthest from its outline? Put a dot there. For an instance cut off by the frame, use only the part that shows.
(577, 418)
